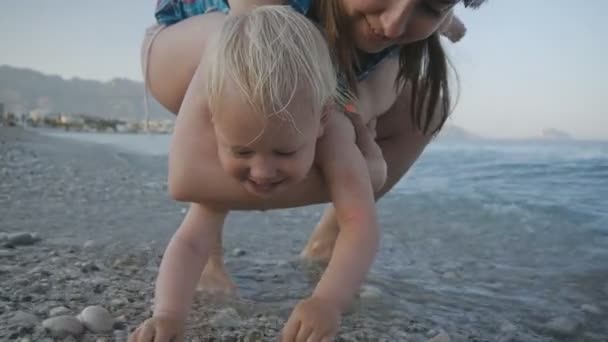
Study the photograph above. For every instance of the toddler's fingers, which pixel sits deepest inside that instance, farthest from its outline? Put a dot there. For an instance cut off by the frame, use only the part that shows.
(162, 335)
(147, 332)
(303, 333)
(290, 330)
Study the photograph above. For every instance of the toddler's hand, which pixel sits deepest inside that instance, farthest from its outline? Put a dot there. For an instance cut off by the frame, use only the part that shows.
(312, 320)
(159, 329)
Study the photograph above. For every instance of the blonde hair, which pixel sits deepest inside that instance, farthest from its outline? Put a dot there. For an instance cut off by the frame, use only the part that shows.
(272, 53)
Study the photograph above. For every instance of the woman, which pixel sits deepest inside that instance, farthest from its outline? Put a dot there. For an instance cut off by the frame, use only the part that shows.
(389, 57)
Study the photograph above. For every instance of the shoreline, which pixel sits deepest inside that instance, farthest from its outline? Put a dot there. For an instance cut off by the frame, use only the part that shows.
(102, 219)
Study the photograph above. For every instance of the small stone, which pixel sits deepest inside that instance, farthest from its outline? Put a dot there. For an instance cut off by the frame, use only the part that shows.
(59, 311)
(63, 326)
(254, 336)
(4, 269)
(89, 244)
(96, 318)
(592, 309)
(370, 292)
(449, 275)
(226, 318)
(89, 267)
(120, 322)
(5, 253)
(25, 339)
(508, 327)
(562, 326)
(21, 239)
(120, 335)
(118, 302)
(237, 252)
(23, 319)
(441, 337)
(184, 210)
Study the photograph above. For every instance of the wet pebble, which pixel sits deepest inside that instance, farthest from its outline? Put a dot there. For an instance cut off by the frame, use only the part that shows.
(507, 327)
(592, 309)
(237, 252)
(562, 326)
(6, 253)
(89, 244)
(59, 311)
(21, 239)
(63, 326)
(370, 292)
(226, 318)
(22, 319)
(97, 319)
(441, 337)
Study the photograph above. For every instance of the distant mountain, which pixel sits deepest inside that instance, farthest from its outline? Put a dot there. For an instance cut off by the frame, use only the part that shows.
(555, 134)
(25, 90)
(453, 132)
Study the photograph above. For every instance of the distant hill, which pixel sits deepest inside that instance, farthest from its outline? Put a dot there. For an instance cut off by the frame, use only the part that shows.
(453, 132)
(25, 90)
(555, 134)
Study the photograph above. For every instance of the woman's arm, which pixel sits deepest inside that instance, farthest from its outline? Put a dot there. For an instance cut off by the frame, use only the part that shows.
(195, 176)
(401, 142)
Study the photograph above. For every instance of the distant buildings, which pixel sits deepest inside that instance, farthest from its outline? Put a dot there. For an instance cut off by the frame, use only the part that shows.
(84, 123)
(1, 109)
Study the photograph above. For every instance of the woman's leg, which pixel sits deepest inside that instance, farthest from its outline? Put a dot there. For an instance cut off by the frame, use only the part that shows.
(170, 56)
(174, 54)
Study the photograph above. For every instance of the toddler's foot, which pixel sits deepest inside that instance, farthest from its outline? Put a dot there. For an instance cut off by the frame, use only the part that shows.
(216, 281)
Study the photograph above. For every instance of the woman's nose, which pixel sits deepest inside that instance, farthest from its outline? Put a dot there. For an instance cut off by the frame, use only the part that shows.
(394, 19)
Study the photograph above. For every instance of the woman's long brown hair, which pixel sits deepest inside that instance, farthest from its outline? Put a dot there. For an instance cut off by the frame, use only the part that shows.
(423, 66)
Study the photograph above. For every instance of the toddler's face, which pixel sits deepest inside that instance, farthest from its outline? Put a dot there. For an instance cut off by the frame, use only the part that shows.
(380, 24)
(266, 155)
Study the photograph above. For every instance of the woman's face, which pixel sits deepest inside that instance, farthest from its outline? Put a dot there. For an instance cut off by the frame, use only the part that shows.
(378, 24)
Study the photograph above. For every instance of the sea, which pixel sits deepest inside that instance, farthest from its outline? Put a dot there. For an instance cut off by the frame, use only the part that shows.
(503, 235)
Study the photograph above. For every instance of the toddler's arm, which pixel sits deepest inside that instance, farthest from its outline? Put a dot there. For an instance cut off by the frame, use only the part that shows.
(180, 269)
(347, 176)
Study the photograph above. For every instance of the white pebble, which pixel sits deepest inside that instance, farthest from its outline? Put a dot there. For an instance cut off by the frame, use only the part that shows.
(592, 309)
(508, 327)
(59, 311)
(562, 326)
(89, 244)
(97, 319)
(226, 318)
(370, 292)
(237, 252)
(441, 337)
(63, 326)
(23, 319)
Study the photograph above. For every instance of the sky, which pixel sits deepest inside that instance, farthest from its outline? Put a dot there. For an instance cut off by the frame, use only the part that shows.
(524, 65)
